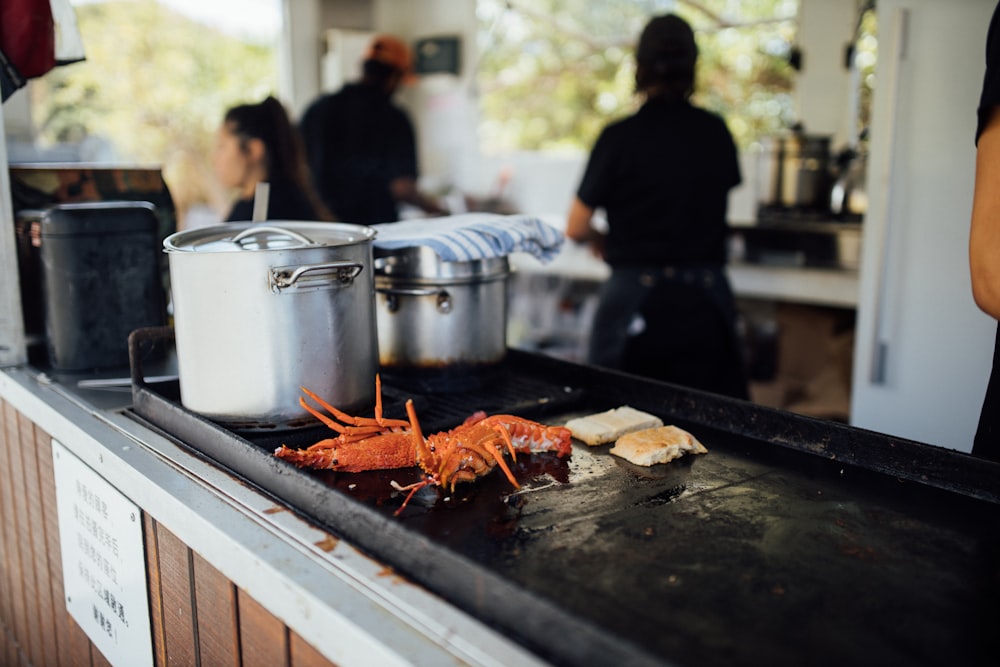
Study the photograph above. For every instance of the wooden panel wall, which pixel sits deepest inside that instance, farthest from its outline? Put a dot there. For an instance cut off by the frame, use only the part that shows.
(197, 615)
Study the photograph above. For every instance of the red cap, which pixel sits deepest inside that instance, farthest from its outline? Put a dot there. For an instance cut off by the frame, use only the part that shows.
(392, 51)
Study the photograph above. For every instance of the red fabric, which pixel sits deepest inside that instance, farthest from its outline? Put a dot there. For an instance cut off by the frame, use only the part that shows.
(27, 36)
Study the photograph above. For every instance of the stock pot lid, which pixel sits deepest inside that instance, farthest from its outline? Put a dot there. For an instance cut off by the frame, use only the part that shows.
(270, 235)
(105, 218)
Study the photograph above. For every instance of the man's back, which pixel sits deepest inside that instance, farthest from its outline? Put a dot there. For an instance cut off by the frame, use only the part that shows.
(357, 142)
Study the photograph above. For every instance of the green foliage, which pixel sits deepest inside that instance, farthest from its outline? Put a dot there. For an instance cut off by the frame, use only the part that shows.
(156, 85)
(867, 54)
(554, 72)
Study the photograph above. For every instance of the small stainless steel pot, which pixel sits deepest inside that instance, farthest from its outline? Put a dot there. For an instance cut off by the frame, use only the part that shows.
(436, 317)
(261, 310)
(796, 172)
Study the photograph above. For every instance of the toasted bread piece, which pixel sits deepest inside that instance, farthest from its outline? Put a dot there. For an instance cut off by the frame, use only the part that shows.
(656, 445)
(608, 426)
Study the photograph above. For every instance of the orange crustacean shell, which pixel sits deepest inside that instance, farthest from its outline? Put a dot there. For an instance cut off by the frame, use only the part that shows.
(461, 454)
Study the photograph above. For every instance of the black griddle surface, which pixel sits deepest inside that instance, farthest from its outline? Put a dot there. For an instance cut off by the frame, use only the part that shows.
(760, 552)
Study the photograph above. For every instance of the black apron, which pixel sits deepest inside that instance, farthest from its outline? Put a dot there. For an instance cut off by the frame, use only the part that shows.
(688, 335)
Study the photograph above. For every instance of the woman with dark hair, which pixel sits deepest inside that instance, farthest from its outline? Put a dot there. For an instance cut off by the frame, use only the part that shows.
(257, 143)
(663, 177)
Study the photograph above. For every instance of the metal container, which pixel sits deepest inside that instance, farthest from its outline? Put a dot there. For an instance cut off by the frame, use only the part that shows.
(100, 281)
(439, 319)
(848, 195)
(796, 172)
(261, 310)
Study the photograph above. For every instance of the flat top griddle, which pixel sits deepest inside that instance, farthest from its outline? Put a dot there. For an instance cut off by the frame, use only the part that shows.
(791, 542)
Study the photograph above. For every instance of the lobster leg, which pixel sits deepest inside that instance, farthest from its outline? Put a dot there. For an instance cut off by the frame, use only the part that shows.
(331, 424)
(500, 459)
(507, 440)
(485, 449)
(412, 488)
(379, 421)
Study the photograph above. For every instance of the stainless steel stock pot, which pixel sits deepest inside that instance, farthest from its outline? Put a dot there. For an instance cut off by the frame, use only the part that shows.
(436, 317)
(262, 309)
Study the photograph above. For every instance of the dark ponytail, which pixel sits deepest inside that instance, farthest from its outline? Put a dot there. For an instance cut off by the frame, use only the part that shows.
(268, 121)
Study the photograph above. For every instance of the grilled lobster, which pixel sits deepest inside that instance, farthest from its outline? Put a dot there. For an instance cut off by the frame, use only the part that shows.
(462, 454)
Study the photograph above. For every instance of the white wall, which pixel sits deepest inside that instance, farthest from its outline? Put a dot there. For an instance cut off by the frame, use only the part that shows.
(821, 87)
(917, 321)
(444, 106)
(299, 54)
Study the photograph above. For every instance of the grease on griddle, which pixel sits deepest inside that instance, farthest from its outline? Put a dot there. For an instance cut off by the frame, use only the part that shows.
(664, 497)
(531, 471)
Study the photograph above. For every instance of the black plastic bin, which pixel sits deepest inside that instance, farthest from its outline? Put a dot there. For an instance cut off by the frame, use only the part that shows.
(100, 279)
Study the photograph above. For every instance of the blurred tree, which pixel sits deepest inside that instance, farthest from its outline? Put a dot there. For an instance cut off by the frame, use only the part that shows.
(864, 59)
(554, 72)
(156, 85)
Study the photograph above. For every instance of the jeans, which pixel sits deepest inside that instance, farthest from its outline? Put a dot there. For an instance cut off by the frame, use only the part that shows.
(623, 295)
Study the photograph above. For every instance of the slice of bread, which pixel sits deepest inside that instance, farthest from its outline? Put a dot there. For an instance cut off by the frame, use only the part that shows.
(656, 445)
(604, 427)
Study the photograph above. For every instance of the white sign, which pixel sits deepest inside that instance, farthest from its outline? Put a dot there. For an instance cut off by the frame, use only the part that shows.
(103, 562)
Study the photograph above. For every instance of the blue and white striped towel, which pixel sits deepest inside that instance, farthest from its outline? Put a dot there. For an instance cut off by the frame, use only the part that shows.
(472, 236)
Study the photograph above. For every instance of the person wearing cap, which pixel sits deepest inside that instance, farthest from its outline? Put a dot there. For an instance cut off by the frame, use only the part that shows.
(662, 177)
(361, 147)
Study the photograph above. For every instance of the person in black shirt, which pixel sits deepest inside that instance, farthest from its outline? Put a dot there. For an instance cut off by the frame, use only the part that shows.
(257, 143)
(662, 177)
(984, 236)
(361, 147)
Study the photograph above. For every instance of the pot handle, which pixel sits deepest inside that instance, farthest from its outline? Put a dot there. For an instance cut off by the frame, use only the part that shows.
(257, 230)
(332, 274)
(444, 304)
